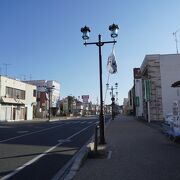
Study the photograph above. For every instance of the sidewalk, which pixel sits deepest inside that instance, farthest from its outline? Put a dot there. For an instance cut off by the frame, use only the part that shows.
(136, 152)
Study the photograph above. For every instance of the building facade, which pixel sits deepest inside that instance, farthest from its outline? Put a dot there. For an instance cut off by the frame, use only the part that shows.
(71, 106)
(138, 97)
(48, 95)
(131, 101)
(159, 72)
(17, 100)
(125, 106)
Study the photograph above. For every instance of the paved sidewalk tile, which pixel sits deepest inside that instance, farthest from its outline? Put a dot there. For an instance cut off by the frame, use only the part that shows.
(139, 152)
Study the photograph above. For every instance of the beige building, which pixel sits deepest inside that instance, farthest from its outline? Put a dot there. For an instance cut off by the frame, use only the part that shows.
(17, 99)
(161, 71)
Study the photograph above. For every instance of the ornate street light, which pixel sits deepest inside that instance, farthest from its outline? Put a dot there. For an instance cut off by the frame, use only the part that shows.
(114, 30)
(116, 85)
(112, 97)
(86, 30)
(49, 90)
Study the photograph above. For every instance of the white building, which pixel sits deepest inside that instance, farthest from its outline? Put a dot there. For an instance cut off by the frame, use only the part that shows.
(43, 96)
(17, 100)
(162, 71)
(138, 97)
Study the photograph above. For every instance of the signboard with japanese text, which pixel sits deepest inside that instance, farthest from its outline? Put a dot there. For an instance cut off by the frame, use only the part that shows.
(137, 73)
(85, 98)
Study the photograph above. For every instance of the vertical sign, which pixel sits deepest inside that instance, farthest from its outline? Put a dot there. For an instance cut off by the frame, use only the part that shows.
(147, 89)
(85, 98)
(137, 73)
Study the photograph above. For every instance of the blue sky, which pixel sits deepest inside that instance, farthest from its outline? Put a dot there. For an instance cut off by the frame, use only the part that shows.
(43, 38)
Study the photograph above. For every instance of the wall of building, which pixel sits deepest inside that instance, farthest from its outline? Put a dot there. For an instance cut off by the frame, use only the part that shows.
(125, 106)
(30, 100)
(8, 82)
(43, 97)
(5, 113)
(139, 97)
(16, 107)
(41, 87)
(156, 108)
(55, 95)
(170, 73)
(162, 71)
(150, 70)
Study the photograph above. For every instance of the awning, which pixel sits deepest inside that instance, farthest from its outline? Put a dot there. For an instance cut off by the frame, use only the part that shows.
(12, 101)
(176, 84)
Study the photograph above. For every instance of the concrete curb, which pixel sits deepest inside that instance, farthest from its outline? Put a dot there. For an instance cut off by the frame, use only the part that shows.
(75, 163)
(82, 156)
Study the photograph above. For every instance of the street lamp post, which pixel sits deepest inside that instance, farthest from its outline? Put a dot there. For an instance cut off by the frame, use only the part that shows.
(112, 97)
(114, 33)
(49, 90)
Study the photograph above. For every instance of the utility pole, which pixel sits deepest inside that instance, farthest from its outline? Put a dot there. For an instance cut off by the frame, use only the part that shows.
(23, 77)
(49, 90)
(176, 40)
(30, 77)
(6, 67)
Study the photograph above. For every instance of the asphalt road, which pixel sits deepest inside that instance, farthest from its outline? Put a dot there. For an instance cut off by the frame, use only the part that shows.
(39, 150)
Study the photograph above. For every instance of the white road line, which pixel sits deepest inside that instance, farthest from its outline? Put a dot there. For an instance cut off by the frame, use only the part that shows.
(109, 155)
(89, 122)
(73, 122)
(3, 127)
(29, 162)
(41, 155)
(79, 132)
(16, 137)
(83, 122)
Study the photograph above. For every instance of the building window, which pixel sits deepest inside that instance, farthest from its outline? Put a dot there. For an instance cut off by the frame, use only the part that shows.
(9, 92)
(22, 94)
(15, 93)
(34, 93)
